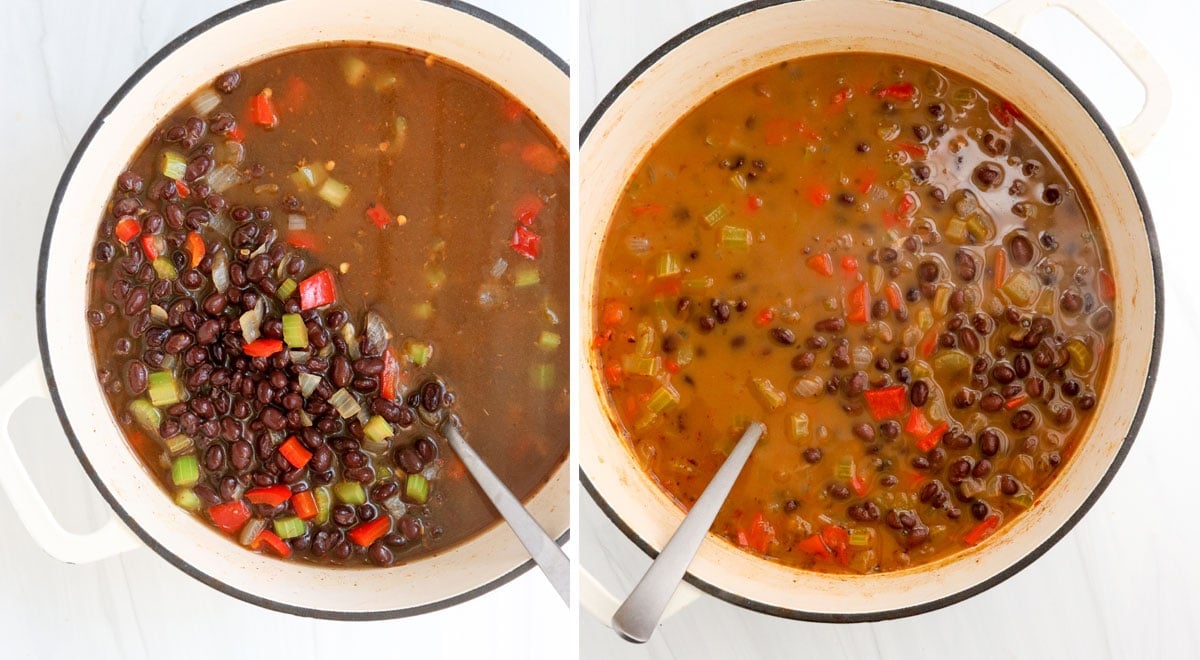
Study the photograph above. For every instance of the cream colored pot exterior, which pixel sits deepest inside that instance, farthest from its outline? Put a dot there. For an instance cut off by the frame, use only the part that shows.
(749, 38)
(465, 35)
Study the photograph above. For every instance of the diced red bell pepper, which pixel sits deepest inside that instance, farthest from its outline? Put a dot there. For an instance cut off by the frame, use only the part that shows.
(151, 245)
(914, 150)
(908, 204)
(305, 505)
(671, 365)
(196, 248)
(840, 97)
(917, 424)
(262, 110)
(229, 516)
(269, 495)
(900, 92)
(765, 317)
(754, 202)
(262, 347)
(849, 264)
(613, 374)
(182, 189)
(127, 228)
(370, 532)
(1016, 401)
(301, 238)
(391, 374)
(838, 540)
(857, 303)
(540, 157)
(317, 290)
(1004, 112)
(859, 484)
(614, 313)
(983, 530)
(1000, 271)
(377, 214)
(529, 205)
(237, 134)
(295, 453)
(777, 131)
(295, 93)
(818, 194)
(526, 243)
(885, 402)
(931, 439)
(647, 209)
(866, 178)
(895, 300)
(276, 544)
(813, 545)
(758, 535)
(511, 110)
(822, 263)
(928, 343)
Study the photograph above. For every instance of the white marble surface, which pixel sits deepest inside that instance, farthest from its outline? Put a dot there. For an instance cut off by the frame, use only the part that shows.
(1125, 582)
(62, 60)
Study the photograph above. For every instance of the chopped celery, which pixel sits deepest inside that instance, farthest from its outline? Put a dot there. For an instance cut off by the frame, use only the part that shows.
(542, 376)
(419, 352)
(354, 70)
(435, 276)
(186, 498)
(377, 429)
(178, 444)
(645, 421)
(980, 227)
(683, 357)
(1024, 498)
(662, 399)
(735, 238)
(844, 468)
(401, 133)
(860, 537)
(423, 311)
(699, 283)
(295, 334)
(641, 366)
(668, 265)
(416, 488)
(739, 180)
(875, 277)
(286, 289)
(308, 383)
(164, 391)
(526, 276)
(334, 192)
(941, 300)
(924, 319)
(173, 165)
(1021, 288)
(289, 527)
(799, 426)
(716, 215)
(350, 492)
(145, 414)
(321, 494)
(305, 176)
(164, 268)
(1081, 356)
(1045, 303)
(548, 341)
(383, 81)
(345, 403)
(771, 396)
(185, 471)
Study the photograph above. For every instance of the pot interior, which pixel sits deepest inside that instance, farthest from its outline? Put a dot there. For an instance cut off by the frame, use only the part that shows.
(745, 40)
(477, 42)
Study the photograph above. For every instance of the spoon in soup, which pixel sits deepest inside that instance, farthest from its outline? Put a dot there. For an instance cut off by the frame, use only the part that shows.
(638, 616)
(549, 557)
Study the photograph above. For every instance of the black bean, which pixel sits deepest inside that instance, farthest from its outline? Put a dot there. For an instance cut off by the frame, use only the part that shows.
(988, 175)
(965, 265)
(928, 271)
(803, 361)
(812, 455)
(1021, 250)
(1052, 194)
(783, 336)
(838, 491)
(227, 82)
(1022, 419)
(380, 555)
(864, 431)
(409, 460)
(833, 324)
(431, 395)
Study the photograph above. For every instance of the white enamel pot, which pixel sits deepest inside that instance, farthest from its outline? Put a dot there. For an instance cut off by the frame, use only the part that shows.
(65, 373)
(710, 55)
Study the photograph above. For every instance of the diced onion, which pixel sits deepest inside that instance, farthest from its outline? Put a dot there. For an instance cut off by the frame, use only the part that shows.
(220, 271)
(223, 178)
(252, 530)
(499, 267)
(297, 221)
(375, 335)
(345, 403)
(206, 101)
(861, 357)
(251, 322)
(638, 244)
(158, 313)
(395, 505)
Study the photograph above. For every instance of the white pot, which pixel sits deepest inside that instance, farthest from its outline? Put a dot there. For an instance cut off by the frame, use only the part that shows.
(710, 55)
(473, 38)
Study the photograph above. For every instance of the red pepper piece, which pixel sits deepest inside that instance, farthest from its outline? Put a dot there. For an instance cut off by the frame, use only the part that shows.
(370, 532)
(262, 110)
(822, 263)
(269, 495)
(983, 530)
(230, 516)
(295, 453)
(526, 243)
(857, 302)
(317, 291)
(528, 206)
(377, 214)
(932, 438)
(276, 544)
(262, 347)
(127, 228)
(885, 402)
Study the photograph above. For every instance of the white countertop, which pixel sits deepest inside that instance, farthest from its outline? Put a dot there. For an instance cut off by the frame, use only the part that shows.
(1126, 581)
(62, 61)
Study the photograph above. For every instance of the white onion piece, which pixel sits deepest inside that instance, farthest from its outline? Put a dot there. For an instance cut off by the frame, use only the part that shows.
(350, 335)
(158, 313)
(223, 178)
(432, 470)
(638, 244)
(251, 322)
(297, 221)
(220, 271)
(308, 383)
(252, 530)
(499, 267)
(862, 357)
(395, 505)
(375, 335)
(345, 403)
(206, 101)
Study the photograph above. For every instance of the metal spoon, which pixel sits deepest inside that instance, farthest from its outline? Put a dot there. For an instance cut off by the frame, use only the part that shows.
(549, 557)
(638, 616)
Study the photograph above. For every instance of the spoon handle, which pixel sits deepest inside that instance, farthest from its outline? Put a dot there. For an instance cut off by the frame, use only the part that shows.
(638, 616)
(549, 557)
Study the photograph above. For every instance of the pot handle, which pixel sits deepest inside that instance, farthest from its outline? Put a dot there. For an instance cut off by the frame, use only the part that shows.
(1098, 18)
(601, 604)
(111, 539)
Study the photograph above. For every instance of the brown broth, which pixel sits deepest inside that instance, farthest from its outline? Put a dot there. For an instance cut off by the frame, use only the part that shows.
(745, 275)
(455, 179)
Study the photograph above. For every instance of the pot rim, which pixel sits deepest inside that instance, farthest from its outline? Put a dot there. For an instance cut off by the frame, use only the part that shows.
(44, 351)
(1148, 387)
